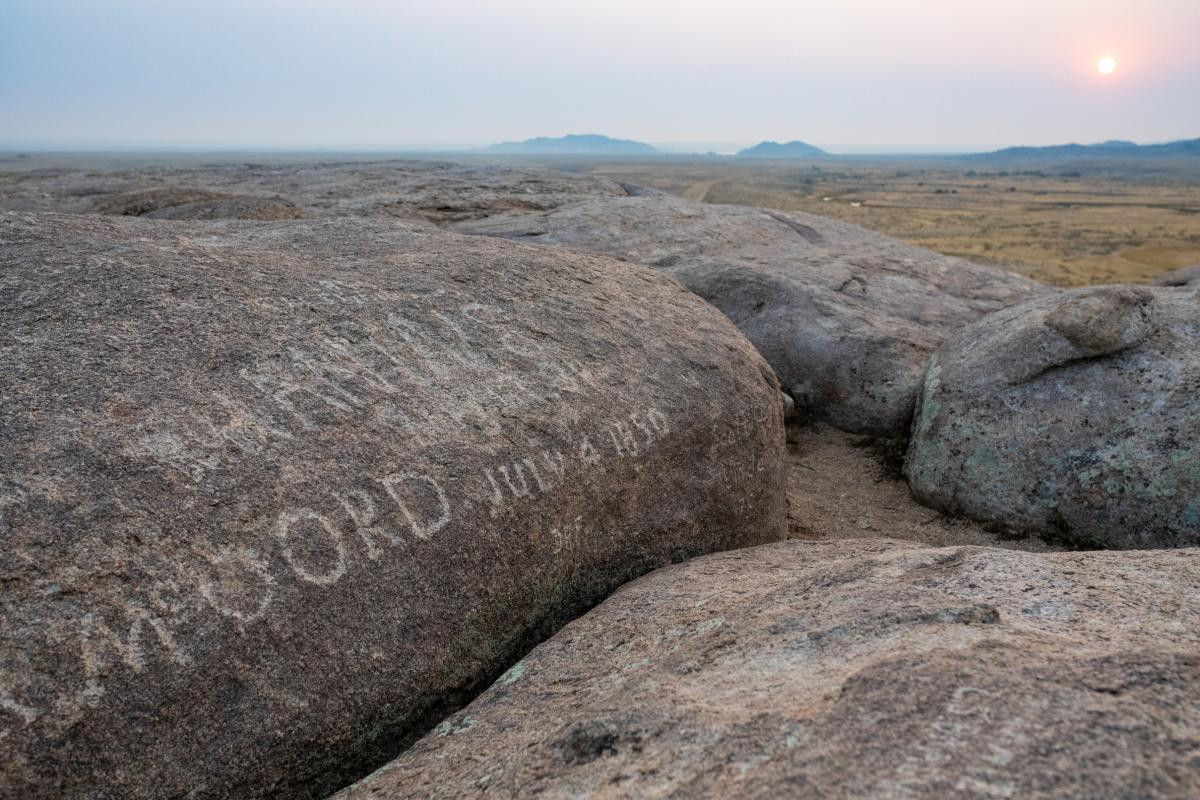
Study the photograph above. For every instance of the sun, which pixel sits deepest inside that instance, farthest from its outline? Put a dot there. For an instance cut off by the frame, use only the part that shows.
(1106, 65)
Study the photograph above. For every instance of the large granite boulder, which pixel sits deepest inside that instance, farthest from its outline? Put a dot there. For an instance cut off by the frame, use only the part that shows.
(275, 497)
(1188, 276)
(1076, 416)
(856, 668)
(846, 317)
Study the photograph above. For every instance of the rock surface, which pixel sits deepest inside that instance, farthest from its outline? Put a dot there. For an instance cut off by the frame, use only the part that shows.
(858, 668)
(847, 486)
(275, 497)
(1073, 415)
(435, 191)
(176, 203)
(1188, 276)
(846, 317)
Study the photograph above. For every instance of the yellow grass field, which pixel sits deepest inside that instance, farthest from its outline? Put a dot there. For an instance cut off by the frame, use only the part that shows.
(1065, 224)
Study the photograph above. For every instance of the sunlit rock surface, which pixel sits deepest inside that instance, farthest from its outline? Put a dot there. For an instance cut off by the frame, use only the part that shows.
(855, 668)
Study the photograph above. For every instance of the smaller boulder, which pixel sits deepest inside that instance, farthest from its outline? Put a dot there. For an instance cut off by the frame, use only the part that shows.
(1072, 416)
(846, 317)
(1188, 276)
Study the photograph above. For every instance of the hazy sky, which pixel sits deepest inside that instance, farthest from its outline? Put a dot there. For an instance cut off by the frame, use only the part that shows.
(849, 75)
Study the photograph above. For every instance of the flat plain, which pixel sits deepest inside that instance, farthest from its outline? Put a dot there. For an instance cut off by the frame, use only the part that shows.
(1067, 223)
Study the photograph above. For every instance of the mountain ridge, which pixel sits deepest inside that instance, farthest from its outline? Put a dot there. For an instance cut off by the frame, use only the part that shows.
(575, 144)
(1113, 148)
(792, 149)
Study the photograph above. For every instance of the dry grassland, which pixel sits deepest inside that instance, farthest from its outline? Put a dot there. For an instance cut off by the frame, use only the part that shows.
(1065, 224)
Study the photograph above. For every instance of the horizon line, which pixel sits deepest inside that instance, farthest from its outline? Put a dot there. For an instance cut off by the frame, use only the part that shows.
(675, 148)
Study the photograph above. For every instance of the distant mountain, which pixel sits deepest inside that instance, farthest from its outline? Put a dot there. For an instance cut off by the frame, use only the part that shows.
(1114, 148)
(777, 150)
(575, 144)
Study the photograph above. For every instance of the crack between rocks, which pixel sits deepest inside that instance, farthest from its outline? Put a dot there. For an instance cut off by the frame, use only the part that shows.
(810, 235)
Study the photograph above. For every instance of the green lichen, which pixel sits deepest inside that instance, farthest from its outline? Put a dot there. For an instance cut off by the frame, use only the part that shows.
(513, 674)
(928, 408)
(449, 728)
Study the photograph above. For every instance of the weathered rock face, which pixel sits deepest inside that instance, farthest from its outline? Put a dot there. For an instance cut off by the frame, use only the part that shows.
(846, 317)
(858, 668)
(435, 191)
(274, 497)
(1188, 276)
(1075, 415)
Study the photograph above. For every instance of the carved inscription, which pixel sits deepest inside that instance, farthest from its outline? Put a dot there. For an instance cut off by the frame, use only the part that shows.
(354, 372)
(535, 475)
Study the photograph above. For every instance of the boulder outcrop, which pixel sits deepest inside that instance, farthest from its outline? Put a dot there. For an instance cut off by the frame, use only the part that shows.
(846, 317)
(857, 668)
(1073, 415)
(435, 191)
(275, 497)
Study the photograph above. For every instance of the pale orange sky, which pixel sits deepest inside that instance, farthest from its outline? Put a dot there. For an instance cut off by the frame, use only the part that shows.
(843, 74)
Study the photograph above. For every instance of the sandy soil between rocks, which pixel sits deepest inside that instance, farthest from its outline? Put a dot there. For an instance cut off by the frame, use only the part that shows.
(843, 486)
